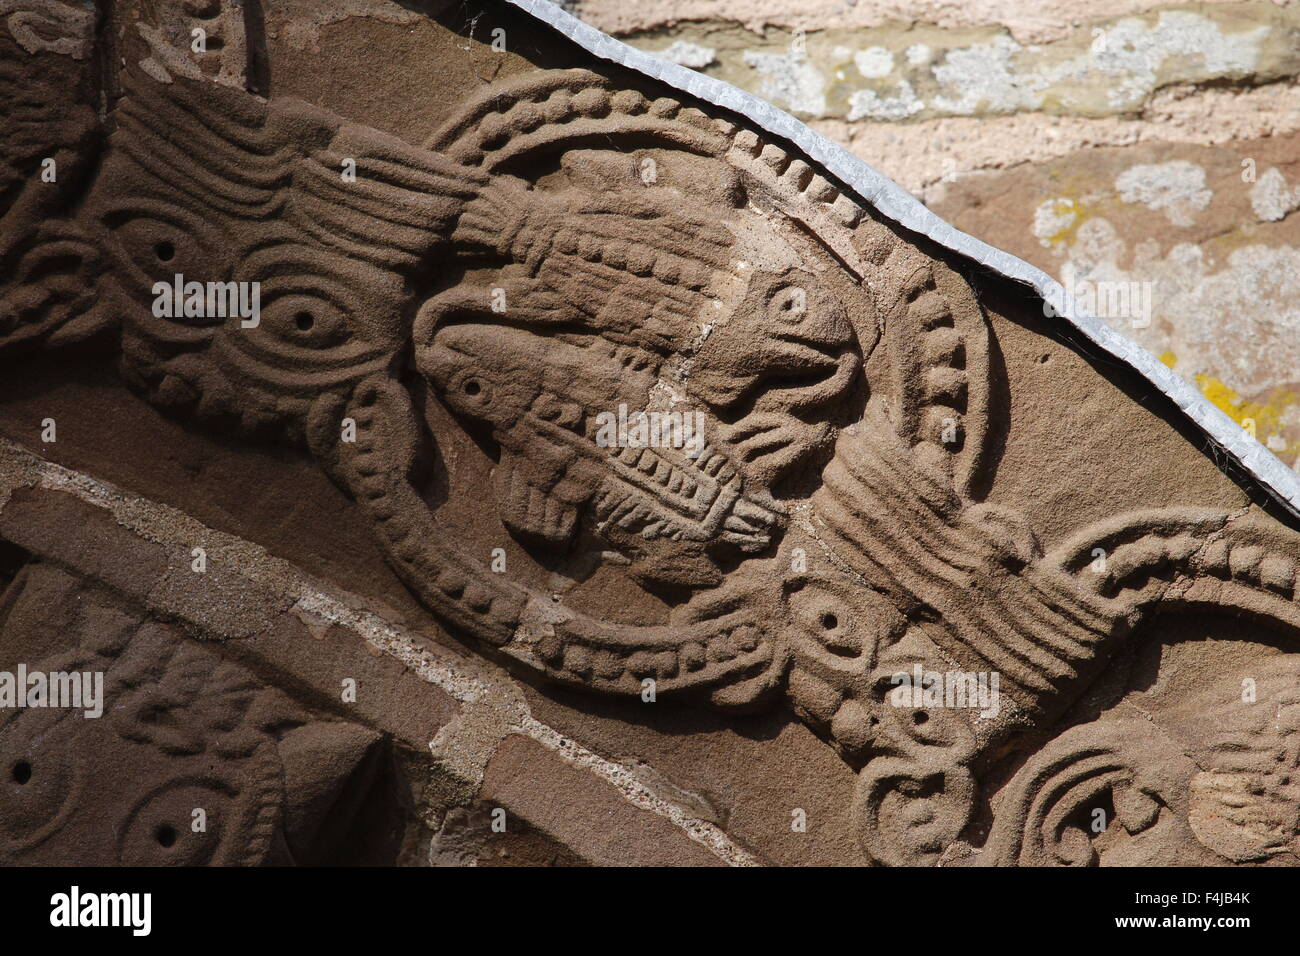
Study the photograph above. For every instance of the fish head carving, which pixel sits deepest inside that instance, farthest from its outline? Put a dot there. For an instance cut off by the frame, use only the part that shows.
(651, 350)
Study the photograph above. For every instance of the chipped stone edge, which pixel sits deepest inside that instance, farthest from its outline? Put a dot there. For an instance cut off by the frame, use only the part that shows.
(496, 701)
(898, 205)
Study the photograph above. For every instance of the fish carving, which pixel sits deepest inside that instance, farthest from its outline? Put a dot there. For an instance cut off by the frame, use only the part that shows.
(567, 246)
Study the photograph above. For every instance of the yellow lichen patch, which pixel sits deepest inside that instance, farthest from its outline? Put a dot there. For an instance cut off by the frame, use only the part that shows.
(1065, 216)
(1169, 358)
(1262, 419)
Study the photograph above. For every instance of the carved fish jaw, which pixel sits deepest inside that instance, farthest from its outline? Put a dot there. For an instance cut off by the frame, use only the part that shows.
(531, 512)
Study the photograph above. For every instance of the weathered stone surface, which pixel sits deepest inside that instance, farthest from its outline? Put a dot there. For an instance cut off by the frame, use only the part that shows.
(191, 760)
(67, 531)
(903, 70)
(754, 777)
(1196, 246)
(427, 454)
(467, 839)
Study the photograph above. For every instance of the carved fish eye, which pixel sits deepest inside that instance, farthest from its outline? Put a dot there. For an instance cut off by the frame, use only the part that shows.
(37, 783)
(471, 390)
(161, 828)
(155, 240)
(789, 304)
(825, 618)
(303, 317)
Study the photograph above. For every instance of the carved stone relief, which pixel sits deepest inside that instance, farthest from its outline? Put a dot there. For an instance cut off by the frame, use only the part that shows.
(697, 366)
(193, 760)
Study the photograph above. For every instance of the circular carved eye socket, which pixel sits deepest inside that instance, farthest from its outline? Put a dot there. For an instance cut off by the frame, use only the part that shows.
(789, 304)
(474, 391)
(825, 618)
(303, 318)
(38, 782)
(152, 241)
(840, 628)
(186, 822)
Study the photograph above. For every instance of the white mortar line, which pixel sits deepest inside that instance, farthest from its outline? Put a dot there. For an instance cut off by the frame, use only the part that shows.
(467, 689)
(637, 794)
(443, 671)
